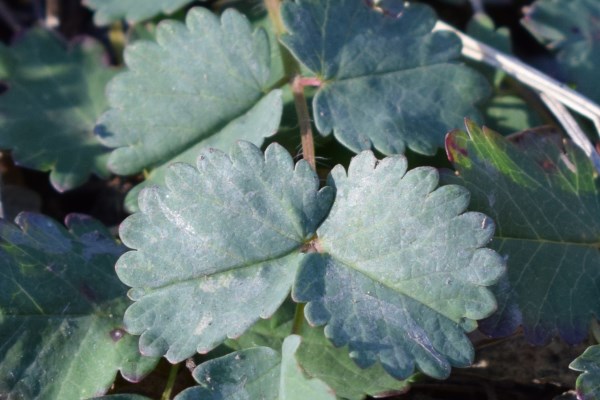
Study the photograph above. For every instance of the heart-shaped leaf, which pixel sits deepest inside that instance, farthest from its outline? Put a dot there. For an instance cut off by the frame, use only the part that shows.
(257, 373)
(55, 95)
(218, 247)
(201, 84)
(544, 197)
(108, 11)
(588, 383)
(402, 274)
(571, 29)
(61, 308)
(388, 82)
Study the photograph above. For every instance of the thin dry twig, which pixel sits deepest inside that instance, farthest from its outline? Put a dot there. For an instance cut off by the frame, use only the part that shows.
(552, 91)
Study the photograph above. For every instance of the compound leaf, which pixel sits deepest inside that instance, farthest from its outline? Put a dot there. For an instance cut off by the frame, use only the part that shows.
(388, 82)
(108, 11)
(544, 197)
(201, 84)
(402, 274)
(257, 373)
(61, 308)
(571, 29)
(218, 247)
(588, 383)
(48, 114)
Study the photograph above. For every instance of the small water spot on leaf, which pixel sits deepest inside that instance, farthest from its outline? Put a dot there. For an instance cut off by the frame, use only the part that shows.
(117, 334)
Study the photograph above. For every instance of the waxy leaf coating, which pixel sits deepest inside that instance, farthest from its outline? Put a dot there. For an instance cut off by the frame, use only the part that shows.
(571, 30)
(402, 272)
(218, 247)
(388, 82)
(545, 199)
(108, 11)
(202, 84)
(61, 308)
(588, 383)
(47, 116)
(257, 373)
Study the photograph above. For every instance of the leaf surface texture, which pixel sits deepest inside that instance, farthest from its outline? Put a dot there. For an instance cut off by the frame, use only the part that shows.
(388, 82)
(544, 197)
(61, 308)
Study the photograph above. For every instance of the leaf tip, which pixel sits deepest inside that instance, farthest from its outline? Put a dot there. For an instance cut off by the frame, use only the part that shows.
(453, 149)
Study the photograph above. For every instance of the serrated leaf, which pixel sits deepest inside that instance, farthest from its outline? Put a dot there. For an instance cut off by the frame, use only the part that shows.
(320, 359)
(588, 383)
(403, 271)
(571, 30)
(257, 373)
(544, 198)
(218, 247)
(61, 308)
(48, 114)
(388, 82)
(108, 11)
(201, 84)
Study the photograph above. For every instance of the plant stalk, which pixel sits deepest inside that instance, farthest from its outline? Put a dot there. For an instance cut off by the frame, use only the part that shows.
(170, 382)
(306, 135)
(297, 83)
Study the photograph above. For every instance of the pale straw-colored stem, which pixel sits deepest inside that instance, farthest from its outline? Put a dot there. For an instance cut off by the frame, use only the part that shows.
(551, 89)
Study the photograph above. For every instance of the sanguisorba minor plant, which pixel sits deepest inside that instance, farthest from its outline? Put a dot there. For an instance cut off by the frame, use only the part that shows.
(310, 287)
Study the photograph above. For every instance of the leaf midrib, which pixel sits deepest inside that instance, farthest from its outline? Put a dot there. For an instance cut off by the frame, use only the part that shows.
(248, 264)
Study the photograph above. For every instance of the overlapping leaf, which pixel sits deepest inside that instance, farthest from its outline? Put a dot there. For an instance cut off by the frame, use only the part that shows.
(61, 308)
(257, 373)
(545, 200)
(47, 116)
(588, 383)
(201, 84)
(420, 262)
(572, 30)
(107, 11)
(218, 247)
(388, 82)
(320, 359)
(402, 274)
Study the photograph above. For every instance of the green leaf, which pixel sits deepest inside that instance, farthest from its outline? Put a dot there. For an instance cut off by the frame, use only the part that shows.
(48, 114)
(402, 274)
(320, 359)
(202, 84)
(570, 29)
(388, 82)
(108, 11)
(61, 308)
(588, 383)
(508, 114)
(544, 197)
(218, 247)
(257, 373)
(333, 365)
(122, 397)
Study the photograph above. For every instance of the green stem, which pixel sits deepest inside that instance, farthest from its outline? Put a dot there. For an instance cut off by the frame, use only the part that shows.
(170, 382)
(298, 319)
